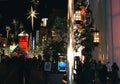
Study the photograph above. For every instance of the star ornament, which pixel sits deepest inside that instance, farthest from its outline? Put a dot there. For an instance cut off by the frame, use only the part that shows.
(32, 14)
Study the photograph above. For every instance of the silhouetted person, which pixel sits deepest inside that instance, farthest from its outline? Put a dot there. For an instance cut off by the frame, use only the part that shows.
(64, 80)
(45, 74)
(109, 70)
(103, 74)
(79, 74)
(34, 62)
(98, 68)
(115, 70)
(39, 61)
(21, 68)
(87, 74)
(27, 71)
(93, 69)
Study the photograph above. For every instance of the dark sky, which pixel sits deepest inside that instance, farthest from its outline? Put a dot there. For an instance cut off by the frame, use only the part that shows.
(18, 9)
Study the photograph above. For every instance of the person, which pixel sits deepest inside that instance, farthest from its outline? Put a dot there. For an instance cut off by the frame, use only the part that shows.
(98, 68)
(79, 73)
(27, 71)
(39, 61)
(115, 70)
(21, 68)
(45, 74)
(64, 81)
(109, 70)
(93, 69)
(103, 74)
(87, 74)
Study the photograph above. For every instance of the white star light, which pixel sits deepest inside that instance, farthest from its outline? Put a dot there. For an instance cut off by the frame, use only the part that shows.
(32, 14)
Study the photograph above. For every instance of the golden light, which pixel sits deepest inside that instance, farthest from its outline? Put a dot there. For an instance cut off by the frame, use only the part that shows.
(44, 20)
(4, 45)
(78, 15)
(96, 39)
(32, 14)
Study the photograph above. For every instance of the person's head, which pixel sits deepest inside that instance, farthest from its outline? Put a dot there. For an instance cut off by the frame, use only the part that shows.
(114, 63)
(99, 61)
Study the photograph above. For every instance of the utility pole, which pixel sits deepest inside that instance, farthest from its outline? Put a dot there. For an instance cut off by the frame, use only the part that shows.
(70, 56)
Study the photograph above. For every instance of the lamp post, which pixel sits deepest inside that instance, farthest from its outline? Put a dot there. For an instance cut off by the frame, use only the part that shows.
(70, 55)
(7, 31)
(15, 26)
(21, 27)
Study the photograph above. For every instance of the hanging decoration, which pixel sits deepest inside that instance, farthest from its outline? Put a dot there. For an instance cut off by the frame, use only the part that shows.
(83, 36)
(32, 14)
(96, 37)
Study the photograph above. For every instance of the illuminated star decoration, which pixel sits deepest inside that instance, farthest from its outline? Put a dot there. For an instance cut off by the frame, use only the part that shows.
(32, 14)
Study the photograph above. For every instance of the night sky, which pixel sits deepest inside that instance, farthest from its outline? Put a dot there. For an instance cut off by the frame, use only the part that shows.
(18, 9)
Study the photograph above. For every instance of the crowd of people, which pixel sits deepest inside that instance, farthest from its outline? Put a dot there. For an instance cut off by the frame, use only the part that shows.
(86, 73)
(24, 66)
(89, 72)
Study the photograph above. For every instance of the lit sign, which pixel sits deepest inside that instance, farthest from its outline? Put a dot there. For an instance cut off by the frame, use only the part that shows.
(23, 40)
(62, 64)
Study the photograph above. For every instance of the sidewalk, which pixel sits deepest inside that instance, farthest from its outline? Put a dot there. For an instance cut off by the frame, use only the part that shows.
(9, 75)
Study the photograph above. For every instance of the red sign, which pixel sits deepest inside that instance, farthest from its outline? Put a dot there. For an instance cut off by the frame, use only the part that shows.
(23, 41)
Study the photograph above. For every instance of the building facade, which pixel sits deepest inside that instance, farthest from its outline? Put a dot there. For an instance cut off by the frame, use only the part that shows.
(106, 15)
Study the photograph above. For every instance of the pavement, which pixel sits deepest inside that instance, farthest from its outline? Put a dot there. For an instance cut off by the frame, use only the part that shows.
(9, 75)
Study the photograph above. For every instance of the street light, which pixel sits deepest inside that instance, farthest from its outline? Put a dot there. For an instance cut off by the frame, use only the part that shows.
(15, 23)
(21, 27)
(70, 55)
(7, 30)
